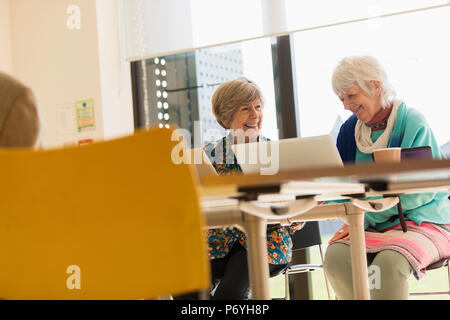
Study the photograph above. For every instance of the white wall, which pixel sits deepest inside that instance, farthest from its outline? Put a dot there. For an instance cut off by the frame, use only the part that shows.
(115, 73)
(5, 37)
(64, 66)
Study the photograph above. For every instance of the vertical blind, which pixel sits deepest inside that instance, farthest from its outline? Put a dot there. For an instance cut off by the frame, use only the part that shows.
(152, 28)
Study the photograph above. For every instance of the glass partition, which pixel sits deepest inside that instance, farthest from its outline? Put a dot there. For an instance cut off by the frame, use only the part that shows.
(412, 49)
(178, 88)
(411, 45)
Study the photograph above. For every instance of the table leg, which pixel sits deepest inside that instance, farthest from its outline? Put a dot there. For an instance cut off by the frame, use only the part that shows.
(256, 230)
(355, 220)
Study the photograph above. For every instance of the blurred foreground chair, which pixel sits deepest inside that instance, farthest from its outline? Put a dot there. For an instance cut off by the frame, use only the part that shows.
(306, 237)
(111, 220)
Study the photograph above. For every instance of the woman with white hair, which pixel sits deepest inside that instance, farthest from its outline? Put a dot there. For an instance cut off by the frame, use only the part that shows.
(379, 120)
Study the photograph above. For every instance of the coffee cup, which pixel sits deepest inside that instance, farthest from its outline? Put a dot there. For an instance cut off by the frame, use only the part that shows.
(387, 155)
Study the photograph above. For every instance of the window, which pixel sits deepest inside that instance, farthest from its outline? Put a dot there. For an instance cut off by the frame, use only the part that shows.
(310, 14)
(412, 48)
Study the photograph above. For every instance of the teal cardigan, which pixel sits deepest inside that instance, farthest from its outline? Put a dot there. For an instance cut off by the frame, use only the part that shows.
(410, 130)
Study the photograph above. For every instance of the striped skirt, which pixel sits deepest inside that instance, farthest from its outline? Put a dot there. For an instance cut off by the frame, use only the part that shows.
(421, 245)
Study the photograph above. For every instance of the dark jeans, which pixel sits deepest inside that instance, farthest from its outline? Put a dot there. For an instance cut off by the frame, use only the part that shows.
(229, 276)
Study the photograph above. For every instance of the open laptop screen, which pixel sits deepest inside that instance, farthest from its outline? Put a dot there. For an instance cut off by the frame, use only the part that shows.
(268, 157)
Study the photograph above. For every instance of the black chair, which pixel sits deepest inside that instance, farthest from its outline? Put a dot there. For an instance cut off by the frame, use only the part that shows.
(306, 237)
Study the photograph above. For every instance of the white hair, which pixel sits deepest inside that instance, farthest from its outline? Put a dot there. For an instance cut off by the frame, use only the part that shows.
(361, 70)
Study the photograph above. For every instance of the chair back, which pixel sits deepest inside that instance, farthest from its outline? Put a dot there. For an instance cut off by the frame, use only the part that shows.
(111, 220)
(307, 236)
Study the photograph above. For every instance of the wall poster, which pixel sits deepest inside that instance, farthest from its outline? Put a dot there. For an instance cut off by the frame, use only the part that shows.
(85, 115)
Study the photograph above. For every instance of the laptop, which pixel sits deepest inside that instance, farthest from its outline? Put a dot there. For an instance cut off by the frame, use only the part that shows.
(268, 157)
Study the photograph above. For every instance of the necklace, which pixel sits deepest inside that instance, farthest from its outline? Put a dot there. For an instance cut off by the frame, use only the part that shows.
(376, 126)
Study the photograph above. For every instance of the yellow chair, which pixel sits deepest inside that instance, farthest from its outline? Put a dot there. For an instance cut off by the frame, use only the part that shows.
(111, 220)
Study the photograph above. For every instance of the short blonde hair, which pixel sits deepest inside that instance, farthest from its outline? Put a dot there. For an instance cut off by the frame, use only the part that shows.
(232, 94)
(360, 70)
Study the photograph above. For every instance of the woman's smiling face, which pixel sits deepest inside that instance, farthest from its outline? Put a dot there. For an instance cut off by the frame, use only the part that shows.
(248, 117)
(363, 106)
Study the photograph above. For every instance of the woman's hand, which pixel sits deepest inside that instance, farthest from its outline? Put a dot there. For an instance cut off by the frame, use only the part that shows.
(342, 233)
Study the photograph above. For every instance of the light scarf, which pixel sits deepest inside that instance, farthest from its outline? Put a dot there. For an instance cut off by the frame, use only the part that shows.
(363, 133)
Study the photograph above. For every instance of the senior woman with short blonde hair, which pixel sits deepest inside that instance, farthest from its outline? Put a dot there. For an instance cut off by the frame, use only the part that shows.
(238, 107)
(231, 95)
(380, 120)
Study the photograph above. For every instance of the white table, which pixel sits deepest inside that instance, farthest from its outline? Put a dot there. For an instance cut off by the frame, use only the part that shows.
(310, 186)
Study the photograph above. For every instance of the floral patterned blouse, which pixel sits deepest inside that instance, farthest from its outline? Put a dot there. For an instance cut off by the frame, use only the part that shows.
(279, 242)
